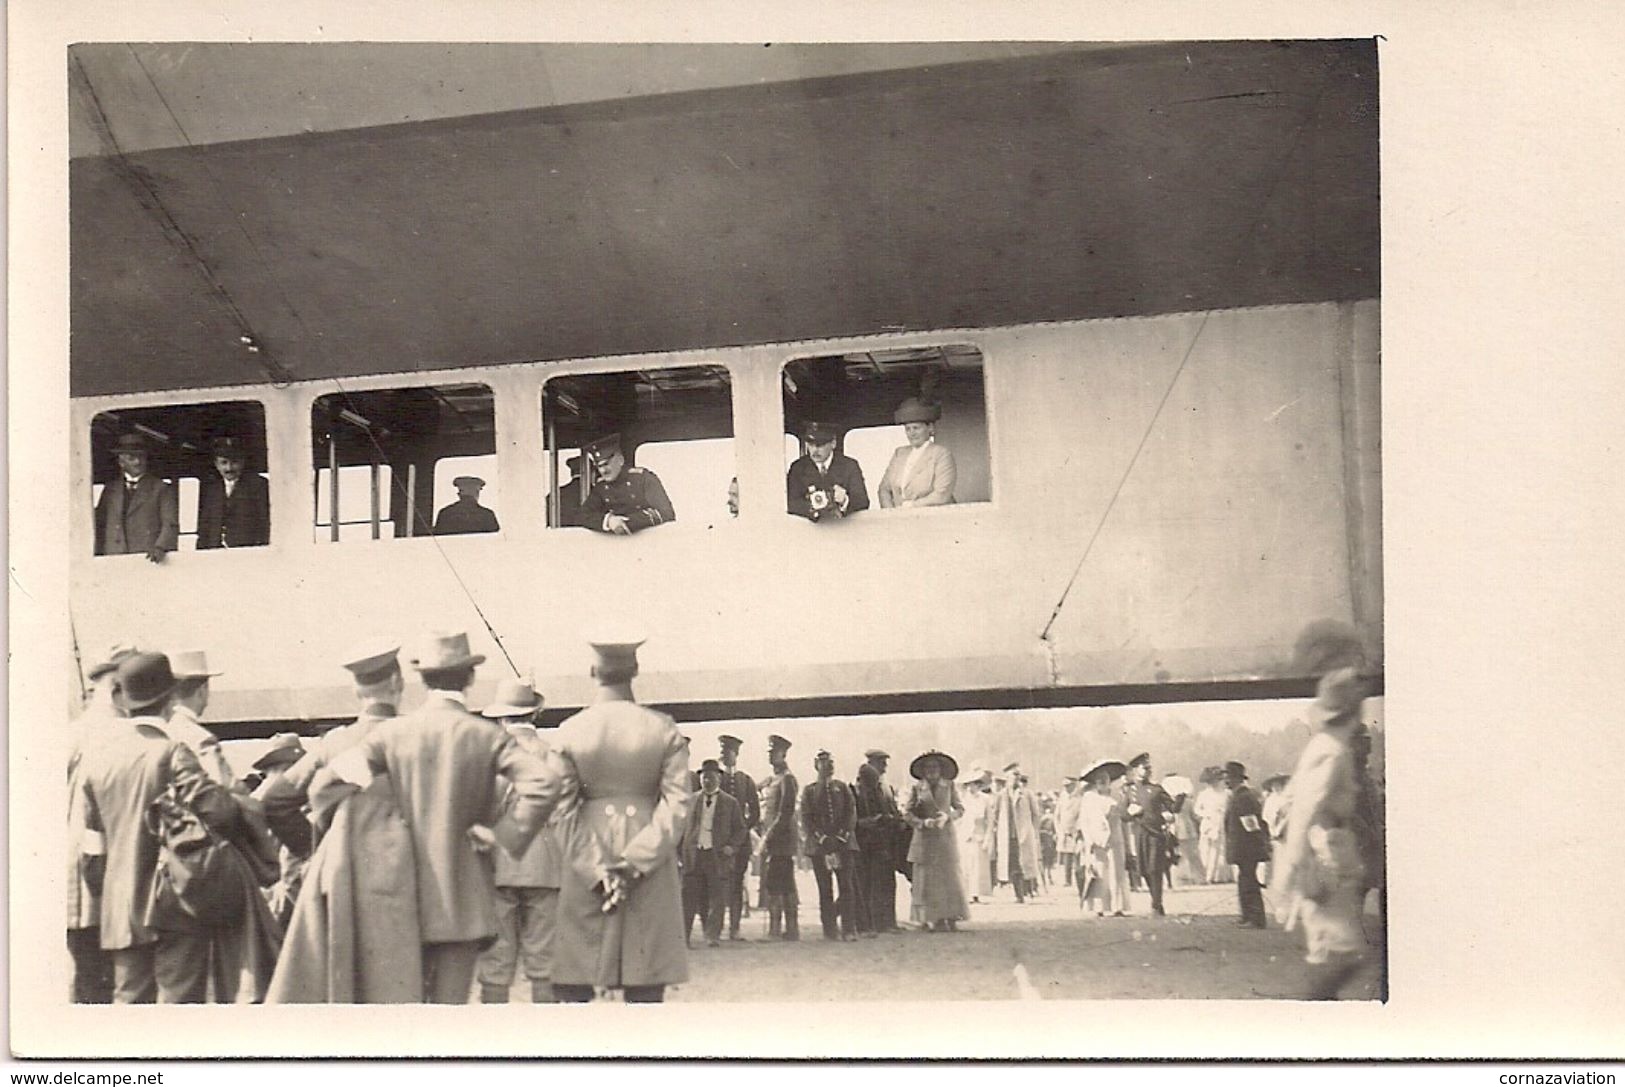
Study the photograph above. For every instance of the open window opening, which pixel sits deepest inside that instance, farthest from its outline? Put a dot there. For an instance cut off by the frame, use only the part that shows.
(180, 477)
(638, 449)
(393, 463)
(911, 421)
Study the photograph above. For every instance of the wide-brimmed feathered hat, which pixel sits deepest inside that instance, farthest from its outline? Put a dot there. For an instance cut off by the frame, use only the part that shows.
(950, 768)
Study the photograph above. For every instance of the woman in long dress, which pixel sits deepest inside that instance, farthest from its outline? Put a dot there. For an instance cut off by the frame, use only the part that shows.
(1102, 865)
(933, 809)
(974, 829)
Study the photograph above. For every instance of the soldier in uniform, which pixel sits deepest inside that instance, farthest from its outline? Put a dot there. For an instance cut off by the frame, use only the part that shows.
(878, 821)
(624, 500)
(375, 667)
(738, 784)
(1144, 805)
(779, 845)
(829, 820)
(466, 515)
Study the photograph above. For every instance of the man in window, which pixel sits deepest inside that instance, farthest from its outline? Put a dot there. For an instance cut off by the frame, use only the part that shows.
(138, 512)
(466, 514)
(624, 500)
(233, 506)
(824, 485)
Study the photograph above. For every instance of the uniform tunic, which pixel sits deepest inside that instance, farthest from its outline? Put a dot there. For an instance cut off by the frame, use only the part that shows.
(635, 494)
(629, 768)
(462, 517)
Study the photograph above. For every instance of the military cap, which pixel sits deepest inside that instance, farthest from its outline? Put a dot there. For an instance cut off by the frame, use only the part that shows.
(371, 660)
(618, 651)
(727, 740)
(1235, 769)
(470, 481)
(605, 446)
(1142, 759)
(819, 433)
(779, 742)
(876, 753)
(285, 750)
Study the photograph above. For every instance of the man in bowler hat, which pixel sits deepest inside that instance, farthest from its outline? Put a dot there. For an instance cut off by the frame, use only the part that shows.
(233, 505)
(1247, 841)
(713, 840)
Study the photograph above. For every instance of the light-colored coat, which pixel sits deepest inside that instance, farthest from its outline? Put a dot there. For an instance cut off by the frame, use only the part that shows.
(541, 864)
(1012, 809)
(134, 762)
(443, 762)
(930, 484)
(628, 769)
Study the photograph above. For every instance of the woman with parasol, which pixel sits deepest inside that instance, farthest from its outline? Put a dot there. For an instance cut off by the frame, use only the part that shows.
(933, 808)
(1102, 862)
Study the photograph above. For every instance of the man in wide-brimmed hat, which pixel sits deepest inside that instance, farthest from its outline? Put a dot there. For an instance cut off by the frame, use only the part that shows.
(92, 967)
(738, 784)
(527, 886)
(233, 504)
(823, 484)
(191, 668)
(133, 763)
(879, 823)
(921, 473)
(439, 761)
(466, 515)
(624, 499)
(138, 513)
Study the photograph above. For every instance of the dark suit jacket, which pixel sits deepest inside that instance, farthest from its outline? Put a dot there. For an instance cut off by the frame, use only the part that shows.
(152, 518)
(829, 818)
(727, 827)
(1243, 846)
(243, 520)
(877, 814)
(804, 477)
(739, 786)
(462, 517)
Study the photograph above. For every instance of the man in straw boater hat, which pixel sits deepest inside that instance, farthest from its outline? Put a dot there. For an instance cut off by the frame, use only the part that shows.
(527, 886)
(1247, 841)
(823, 484)
(134, 763)
(714, 837)
(92, 967)
(738, 784)
(138, 512)
(878, 821)
(620, 896)
(829, 826)
(624, 500)
(779, 894)
(233, 505)
(440, 760)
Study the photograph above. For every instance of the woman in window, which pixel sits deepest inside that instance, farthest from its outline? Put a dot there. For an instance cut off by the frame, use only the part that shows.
(921, 473)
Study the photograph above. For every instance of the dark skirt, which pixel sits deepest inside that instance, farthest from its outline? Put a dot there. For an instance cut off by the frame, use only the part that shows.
(779, 880)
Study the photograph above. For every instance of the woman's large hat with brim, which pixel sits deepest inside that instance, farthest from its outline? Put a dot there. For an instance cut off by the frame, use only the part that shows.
(950, 768)
(915, 410)
(1113, 767)
(1337, 698)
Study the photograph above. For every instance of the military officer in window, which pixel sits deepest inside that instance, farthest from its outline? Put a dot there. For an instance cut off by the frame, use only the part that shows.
(466, 514)
(824, 484)
(624, 500)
